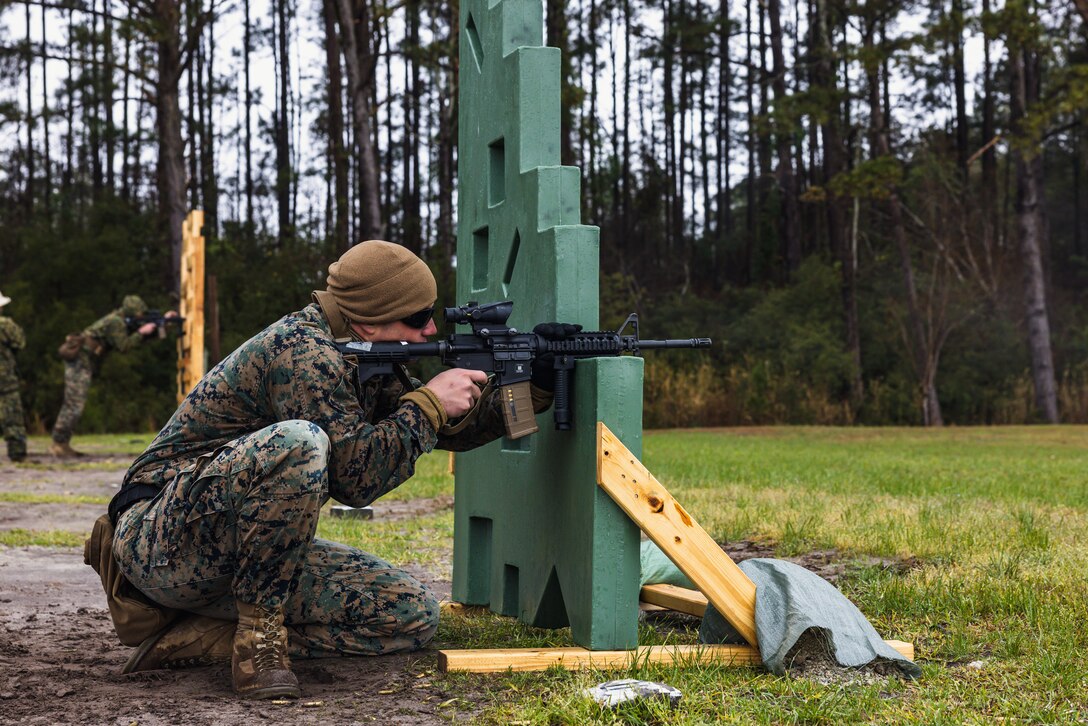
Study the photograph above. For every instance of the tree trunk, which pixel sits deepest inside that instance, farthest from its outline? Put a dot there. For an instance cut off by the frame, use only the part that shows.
(170, 174)
(208, 172)
(358, 62)
(1031, 224)
(126, 185)
(557, 36)
(282, 126)
(823, 78)
(247, 48)
(30, 171)
(385, 162)
(787, 183)
(724, 137)
(411, 212)
(92, 97)
(960, 81)
(593, 197)
(447, 140)
(338, 157)
(625, 163)
(47, 161)
(109, 130)
(192, 133)
(763, 144)
(750, 184)
(69, 118)
(924, 353)
(989, 157)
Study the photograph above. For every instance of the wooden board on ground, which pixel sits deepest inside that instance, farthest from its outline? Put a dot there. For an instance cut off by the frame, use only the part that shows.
(495, 660)
(672, 529)
(671, 597)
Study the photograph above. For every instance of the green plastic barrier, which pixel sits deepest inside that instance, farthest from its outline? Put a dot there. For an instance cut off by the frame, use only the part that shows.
(534, 536)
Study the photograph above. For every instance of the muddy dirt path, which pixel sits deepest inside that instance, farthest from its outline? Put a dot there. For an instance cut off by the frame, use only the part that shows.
(60, 660)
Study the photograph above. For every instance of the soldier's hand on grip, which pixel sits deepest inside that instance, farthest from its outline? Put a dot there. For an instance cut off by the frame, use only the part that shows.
(457, 389)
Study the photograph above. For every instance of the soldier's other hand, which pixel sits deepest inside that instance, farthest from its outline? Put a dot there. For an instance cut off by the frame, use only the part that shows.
(171, 314)
(147, 329)
(544, 364)
(457, 389)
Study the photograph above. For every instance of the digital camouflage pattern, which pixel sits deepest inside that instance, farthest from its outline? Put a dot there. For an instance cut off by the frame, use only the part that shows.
(12, 422)
(105, 334)
(241, 470)
(77, 382)
(243, 528)
(110, 331)
(12, 340)
(293, 371)
(13, 425)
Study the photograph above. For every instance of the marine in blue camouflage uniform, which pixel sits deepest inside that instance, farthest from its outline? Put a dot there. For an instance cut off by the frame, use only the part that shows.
(218, 516)
(12, 422)
(106, 334)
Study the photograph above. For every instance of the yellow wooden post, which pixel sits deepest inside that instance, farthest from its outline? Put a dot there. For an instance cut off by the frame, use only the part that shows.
(679, 536)
(191, 307)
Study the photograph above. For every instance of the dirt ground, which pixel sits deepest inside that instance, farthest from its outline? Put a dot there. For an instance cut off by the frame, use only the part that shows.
(60, 660)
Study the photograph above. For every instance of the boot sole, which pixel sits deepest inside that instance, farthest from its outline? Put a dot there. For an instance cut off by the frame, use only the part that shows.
(141, 651)
(272, 692)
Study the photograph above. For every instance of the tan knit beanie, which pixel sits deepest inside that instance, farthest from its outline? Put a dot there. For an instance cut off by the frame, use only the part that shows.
(379, 282)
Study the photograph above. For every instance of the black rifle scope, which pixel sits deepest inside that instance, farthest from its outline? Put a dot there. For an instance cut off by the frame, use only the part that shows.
(496, 313)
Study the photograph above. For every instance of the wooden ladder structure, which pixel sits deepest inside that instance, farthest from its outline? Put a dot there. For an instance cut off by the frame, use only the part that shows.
(698, 556)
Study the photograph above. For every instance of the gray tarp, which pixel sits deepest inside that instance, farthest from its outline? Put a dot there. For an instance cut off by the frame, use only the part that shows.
(790, 600)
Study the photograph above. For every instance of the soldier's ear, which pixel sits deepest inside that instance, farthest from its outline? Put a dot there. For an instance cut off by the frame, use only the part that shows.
(366, 331)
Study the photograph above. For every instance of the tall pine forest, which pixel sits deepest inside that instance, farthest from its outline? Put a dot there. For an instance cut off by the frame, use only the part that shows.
(877, 209)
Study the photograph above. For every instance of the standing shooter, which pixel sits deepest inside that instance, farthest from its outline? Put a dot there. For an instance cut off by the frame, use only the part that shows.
(83, 354)
(12, 423)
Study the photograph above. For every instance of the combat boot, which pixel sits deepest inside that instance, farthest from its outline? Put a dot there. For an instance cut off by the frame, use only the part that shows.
(260, 666)
(64, 451)
(193, 641)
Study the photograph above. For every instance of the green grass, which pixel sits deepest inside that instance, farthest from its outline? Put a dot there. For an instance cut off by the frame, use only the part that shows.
(425, 541)
(431, 479)
(121, 445)
(993, 521)
(40, 538)
(29, 498)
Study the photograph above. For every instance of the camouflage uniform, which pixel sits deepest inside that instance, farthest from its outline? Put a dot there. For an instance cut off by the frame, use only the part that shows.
(12, 423)
(240, 471)
(105, 334)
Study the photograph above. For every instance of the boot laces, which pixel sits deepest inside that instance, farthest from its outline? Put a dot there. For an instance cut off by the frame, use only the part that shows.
(270, 646)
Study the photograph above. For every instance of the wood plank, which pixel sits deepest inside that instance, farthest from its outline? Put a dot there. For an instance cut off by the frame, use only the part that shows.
(493, 660)
(671, 597)
(190, 342)
(538, 659)
(672, 529)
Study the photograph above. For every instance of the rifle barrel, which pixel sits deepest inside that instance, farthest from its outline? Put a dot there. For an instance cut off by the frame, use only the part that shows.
(675, 343)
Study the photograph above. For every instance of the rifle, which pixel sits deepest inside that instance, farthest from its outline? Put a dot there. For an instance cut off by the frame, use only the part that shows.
(153, 316)
(508, 355)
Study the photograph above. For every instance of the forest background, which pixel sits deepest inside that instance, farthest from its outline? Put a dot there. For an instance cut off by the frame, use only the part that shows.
(877, 209)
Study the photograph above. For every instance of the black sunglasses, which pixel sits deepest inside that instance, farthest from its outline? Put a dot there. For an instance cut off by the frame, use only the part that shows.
(419, 320)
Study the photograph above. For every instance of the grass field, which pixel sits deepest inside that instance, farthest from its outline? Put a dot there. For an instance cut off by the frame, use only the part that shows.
(967, 542)
(989, 525)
